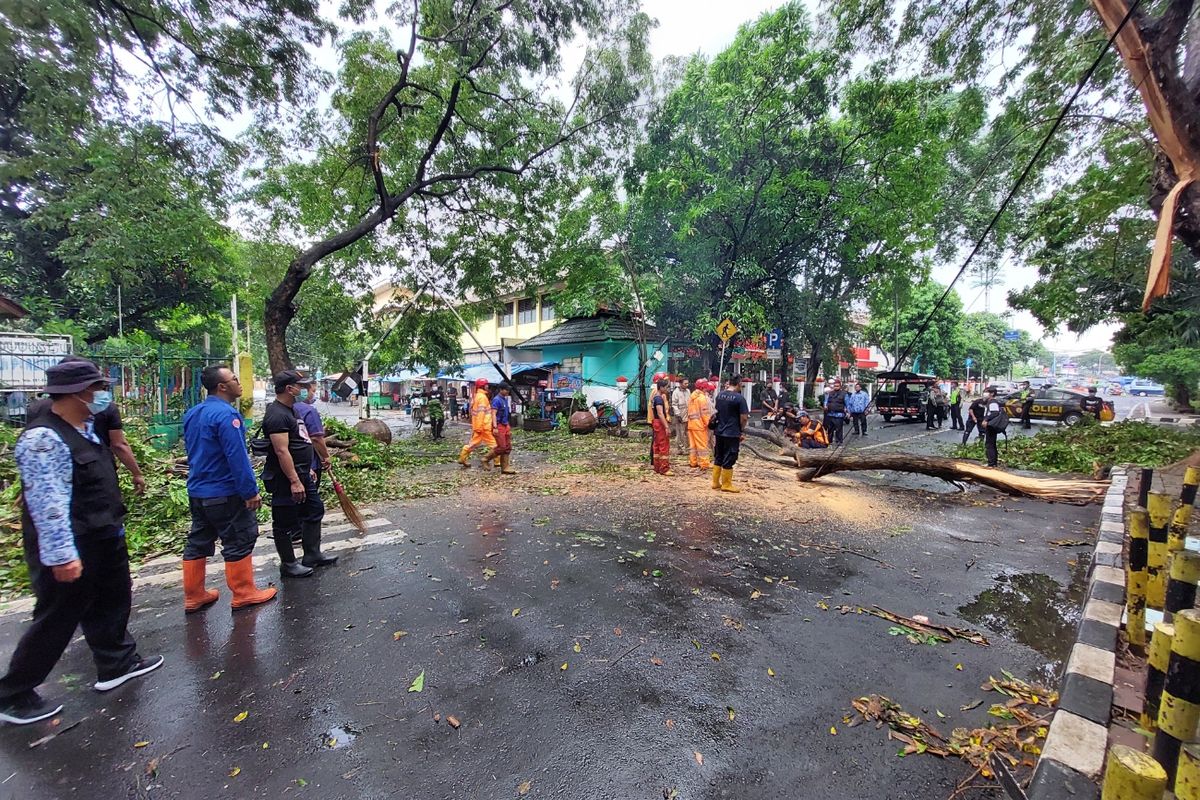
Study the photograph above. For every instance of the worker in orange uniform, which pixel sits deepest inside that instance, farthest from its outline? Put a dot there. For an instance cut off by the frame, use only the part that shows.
(697, 426)
(483, 425)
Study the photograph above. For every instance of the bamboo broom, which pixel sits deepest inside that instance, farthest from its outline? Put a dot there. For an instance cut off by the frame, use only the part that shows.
(348, 508)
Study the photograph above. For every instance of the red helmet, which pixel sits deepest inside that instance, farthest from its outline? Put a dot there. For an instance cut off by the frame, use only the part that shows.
(658, 376)
(481, 383)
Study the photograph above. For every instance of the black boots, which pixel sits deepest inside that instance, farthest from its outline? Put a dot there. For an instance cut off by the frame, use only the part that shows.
(313, 557)
(288, 568)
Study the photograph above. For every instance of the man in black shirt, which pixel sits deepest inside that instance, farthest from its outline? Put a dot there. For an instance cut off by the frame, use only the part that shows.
(733, 415)
(975, 414)
(835, 411)
(1092, 404)
(289, 477)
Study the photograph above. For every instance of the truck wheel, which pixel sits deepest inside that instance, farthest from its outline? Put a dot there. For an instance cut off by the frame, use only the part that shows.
(1073, 418)
(887, 417)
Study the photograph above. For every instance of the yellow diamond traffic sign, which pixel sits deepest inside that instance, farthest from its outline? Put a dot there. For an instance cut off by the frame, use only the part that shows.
(726, 329)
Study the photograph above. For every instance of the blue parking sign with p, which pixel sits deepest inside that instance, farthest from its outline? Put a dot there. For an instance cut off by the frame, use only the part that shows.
(775, 339)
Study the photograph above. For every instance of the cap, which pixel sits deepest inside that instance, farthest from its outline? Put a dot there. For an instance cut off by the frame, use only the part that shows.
(285, 379)
(69, 377)
(481, 382)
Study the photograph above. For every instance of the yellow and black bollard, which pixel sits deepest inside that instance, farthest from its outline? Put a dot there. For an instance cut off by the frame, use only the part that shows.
(1187, 776)
(1177, 535)
(1156, 673)
(1144, 486)
(1183, 575)
(1135, 597)
(1132, 775)
(1159, 508)
(1179, 711)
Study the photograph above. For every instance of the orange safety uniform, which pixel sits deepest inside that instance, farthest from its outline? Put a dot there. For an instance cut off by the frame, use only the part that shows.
(482, 423)
(814, 431)
(697, 428)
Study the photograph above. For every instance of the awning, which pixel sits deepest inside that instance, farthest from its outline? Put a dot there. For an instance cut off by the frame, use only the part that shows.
(473, 373)
(405, 375)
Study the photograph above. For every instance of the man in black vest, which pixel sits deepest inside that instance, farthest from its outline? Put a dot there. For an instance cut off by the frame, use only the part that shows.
(74, 535)
(835, 411)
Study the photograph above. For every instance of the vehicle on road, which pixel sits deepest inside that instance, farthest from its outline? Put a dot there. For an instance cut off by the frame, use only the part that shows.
(1116, 390)
(1056, 405)
(1146, 388)
(903, 394)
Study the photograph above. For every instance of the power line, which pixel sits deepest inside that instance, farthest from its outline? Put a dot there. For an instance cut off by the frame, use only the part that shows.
(1087, 76)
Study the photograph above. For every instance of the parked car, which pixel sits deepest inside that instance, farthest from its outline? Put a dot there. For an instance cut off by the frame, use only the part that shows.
(1056, 405)
(1146, 388)
(1116, 390)
(903, 394)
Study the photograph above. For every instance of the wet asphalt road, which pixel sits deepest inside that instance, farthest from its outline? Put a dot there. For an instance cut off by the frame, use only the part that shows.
(590, 647)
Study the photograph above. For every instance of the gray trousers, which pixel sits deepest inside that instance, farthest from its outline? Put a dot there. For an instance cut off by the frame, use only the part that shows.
(679, 434)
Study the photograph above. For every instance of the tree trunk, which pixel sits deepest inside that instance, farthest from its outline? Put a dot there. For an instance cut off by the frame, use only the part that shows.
(280, 307)
(813, 464)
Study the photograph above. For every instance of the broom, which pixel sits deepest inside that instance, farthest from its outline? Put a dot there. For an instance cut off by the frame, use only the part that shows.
(348, 508)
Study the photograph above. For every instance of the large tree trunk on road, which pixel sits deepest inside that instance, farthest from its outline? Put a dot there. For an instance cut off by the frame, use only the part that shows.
(815, 463)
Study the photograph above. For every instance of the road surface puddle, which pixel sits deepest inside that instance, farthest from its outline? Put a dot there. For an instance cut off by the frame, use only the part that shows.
(1035, 610)
(340, 736)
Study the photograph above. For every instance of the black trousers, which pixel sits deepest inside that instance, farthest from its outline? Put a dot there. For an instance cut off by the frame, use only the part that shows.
(224, 518)
(989, 437)
(858, 422)
(98, 601)
(834, 426)
(725, 452)
(286, 514)
(930, 416)
(1025, 409)
(956, 420)
(970, 427)
(436, 426)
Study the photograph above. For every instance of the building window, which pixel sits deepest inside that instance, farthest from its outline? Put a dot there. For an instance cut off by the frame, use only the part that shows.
(572, 366)
(547, 309)
(506, 316)
(526, 311)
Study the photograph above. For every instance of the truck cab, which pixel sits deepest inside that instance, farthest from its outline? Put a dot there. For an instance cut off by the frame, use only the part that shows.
(903, 394)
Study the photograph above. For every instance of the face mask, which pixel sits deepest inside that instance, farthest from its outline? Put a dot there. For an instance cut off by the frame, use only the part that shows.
(303, 398)
(101, 400)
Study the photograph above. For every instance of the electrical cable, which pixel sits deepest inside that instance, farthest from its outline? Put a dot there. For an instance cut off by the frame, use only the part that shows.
(1087, 76)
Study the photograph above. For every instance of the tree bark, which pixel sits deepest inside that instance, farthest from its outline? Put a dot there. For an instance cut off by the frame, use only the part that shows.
(813, 464)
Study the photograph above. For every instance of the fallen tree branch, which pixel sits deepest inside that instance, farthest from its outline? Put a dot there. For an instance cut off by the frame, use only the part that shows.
(811, 463)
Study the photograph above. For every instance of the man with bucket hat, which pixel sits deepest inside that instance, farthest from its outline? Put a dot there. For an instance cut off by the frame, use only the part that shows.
(72, 524)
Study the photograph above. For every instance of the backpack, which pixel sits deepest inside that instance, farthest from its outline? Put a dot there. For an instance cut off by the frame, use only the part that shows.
(1000, 423)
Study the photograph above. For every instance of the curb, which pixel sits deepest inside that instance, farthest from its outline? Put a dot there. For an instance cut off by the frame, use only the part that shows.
(1073, 756)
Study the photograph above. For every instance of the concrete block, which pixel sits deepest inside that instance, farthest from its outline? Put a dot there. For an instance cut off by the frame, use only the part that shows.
(1108, 547)
(1109, 575)
(1108, 613)
(1093, 662)
(1076, 743)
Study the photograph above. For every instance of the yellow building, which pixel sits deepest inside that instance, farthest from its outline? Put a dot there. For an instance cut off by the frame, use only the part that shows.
(517, 316)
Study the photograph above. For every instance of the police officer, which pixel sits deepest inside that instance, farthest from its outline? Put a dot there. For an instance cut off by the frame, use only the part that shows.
(956, 398)
(73, 527)
(1092, 404)
(1026, 397)
(733, 417)
(222, 495)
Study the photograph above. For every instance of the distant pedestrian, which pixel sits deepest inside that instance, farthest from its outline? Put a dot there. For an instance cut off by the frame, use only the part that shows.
(73, 530)
(1026, 396)
(956, 399)
(697, 426)
(660, 444)
(975, 414)
(437, 416)
(772, 401)
(857, 404)
(453, 405)
(733, 417)
(835, 411)
(501, 411)
(222, 495)
(1092, 404)
(995, 421)
(679, 415)
(290, 476)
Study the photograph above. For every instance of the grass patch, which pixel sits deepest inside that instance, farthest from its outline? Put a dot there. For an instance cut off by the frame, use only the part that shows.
(1084, 447)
